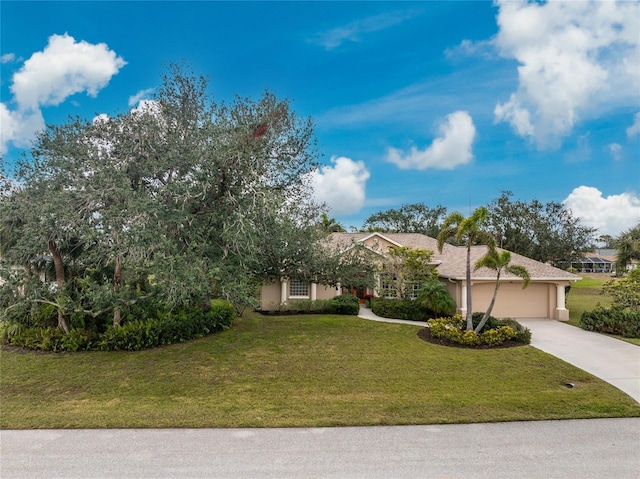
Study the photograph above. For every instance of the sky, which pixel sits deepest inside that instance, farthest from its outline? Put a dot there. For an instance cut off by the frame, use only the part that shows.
(441, 102)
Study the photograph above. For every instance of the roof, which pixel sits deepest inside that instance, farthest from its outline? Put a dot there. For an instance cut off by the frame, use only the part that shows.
(453, 259)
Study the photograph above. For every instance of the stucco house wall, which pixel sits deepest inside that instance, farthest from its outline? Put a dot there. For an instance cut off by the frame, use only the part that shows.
(543, 298)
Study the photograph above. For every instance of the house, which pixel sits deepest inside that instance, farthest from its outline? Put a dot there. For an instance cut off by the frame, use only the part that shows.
(593, 263)
(543, 298)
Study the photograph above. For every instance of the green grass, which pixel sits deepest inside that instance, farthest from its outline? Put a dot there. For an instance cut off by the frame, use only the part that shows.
(585, 296)
(298, 371)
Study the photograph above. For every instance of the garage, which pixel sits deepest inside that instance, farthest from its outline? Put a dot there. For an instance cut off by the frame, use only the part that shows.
(513, 301)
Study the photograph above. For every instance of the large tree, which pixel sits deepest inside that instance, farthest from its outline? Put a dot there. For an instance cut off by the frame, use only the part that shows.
(410, 218)
(628, 246)
(548, 233)
(469, 231)
(183, 197)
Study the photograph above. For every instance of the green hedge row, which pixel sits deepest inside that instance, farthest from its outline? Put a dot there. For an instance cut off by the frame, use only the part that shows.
(344, 304)
(622, 322)
(398, 309)
(136, 335)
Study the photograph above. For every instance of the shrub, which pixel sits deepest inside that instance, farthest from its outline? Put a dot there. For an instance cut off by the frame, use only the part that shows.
(622, 322)
(452, 330)
(167, 327)
(523, 335)
(495, 337)
(343, 304)
(398, 309)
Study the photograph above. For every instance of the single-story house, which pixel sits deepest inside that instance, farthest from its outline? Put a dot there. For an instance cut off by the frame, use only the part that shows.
(592, 263)
(543, 298)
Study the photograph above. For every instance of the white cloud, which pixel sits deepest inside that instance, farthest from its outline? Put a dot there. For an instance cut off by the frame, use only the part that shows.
(342, 187)
(140, 96)
(615, 149)
(65, 67)
(353, 31)
(634, 129)
(7, 58)
(18, 127)
(611, 214)
(451, 149)
(576, 58)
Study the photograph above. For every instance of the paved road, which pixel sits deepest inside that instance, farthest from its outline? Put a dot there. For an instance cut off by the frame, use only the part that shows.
(581, 449)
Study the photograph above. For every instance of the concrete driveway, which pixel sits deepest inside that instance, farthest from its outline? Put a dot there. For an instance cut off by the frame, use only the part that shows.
(609, 359)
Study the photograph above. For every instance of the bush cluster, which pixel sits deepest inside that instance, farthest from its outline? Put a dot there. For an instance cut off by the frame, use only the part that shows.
(344, 304)
(494, 333)
(163, 329)
(622, 322)
(398, 309)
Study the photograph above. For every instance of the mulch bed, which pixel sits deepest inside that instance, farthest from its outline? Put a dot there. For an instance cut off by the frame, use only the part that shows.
(425, 335)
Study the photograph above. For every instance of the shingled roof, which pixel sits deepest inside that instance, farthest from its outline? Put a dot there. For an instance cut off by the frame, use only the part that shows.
(453, 259)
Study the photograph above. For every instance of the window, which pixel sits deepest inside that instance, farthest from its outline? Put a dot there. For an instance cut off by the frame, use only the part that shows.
(388, 286)
(412, 290)
(298, 288)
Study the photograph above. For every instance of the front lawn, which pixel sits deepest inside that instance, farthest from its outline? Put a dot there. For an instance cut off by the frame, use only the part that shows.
(298, 371)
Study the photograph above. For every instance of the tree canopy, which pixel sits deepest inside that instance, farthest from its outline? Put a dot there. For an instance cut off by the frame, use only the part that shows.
(181, 198)
(410, 218)
(546, 232)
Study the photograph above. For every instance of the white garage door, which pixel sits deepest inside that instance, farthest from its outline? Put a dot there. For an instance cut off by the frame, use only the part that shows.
(512, 300)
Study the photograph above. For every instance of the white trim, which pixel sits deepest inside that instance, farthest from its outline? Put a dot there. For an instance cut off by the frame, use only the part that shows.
(380, 235)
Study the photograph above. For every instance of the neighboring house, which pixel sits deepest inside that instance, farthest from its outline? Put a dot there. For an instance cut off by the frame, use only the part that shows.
(594, 263)
(543, 298)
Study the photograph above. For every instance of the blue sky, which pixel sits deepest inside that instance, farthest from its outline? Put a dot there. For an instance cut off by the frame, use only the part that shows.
(438, 102)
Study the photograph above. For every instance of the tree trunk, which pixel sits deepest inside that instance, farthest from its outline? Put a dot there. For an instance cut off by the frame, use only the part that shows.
(117, 283)
(468, 278)
(59, 269)
(487, 313)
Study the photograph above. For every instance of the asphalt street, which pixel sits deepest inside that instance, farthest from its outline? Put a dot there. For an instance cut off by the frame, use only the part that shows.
(581, 449)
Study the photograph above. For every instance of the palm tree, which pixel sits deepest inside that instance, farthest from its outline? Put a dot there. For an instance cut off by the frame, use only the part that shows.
(330, 225)
(470, 231)
(435, 296)
(499, 261)
(628, 246)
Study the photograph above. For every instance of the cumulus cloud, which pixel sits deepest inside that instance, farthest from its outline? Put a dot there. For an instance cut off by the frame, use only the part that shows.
(18, 127)
(451, 149)
(634, 129)
(353, 31)
(140, 96)
(342, 186)
(575, 58)
(611, 214)
(65, 67)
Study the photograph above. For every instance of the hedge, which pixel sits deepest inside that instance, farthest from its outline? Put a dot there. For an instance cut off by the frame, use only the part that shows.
(622, 322)
(344, 304)
(398, 309)
(166, 328)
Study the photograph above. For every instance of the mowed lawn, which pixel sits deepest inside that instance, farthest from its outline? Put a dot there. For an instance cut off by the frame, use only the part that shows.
(298, 371)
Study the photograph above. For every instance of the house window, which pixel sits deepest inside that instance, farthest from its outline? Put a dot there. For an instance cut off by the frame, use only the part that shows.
(298, 289)
(388, 287)
(413, 290)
